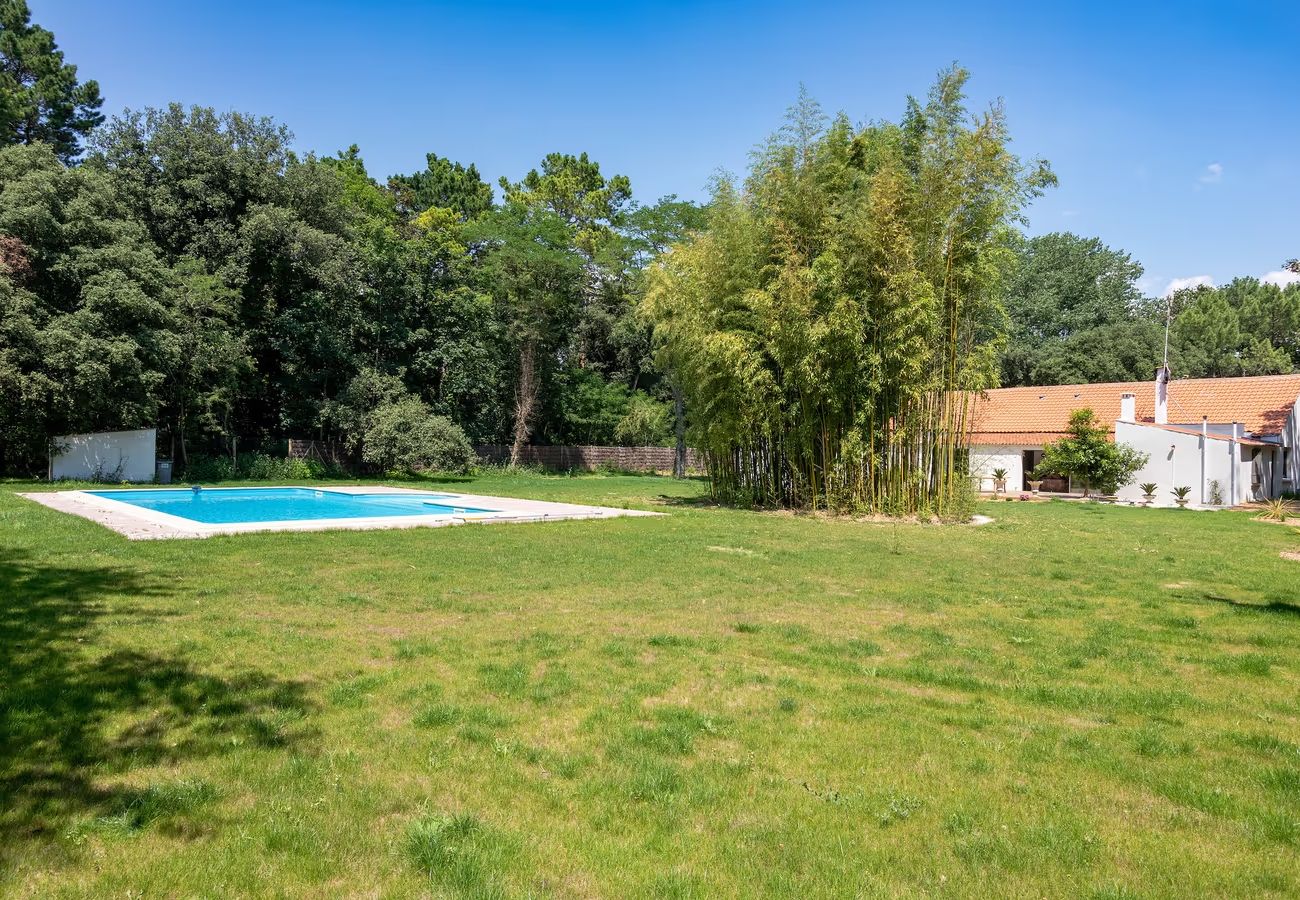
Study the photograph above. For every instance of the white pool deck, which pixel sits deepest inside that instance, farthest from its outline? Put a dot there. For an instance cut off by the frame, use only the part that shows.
(138, 524)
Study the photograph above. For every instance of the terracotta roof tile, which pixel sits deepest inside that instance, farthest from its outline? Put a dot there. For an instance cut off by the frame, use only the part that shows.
(1026, 415)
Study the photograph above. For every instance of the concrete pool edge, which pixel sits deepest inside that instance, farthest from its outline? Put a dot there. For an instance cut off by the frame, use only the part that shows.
(138, 524)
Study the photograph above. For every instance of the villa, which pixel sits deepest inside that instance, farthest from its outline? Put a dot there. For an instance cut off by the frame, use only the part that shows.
(1231, 440)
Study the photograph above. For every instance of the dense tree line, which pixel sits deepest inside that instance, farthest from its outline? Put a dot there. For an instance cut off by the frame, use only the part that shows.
(187, 269)
(1075, 313)
(190, 270)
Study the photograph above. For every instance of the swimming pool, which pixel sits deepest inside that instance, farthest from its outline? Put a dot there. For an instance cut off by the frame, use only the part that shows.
(222, 506)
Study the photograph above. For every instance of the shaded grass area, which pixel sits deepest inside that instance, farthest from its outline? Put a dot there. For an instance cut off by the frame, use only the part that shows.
(1072, 700)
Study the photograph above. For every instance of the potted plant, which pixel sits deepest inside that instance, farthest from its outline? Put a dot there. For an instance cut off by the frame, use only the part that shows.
(999, 480)
(1180, 495)
(1148, 492)
(1035, 484)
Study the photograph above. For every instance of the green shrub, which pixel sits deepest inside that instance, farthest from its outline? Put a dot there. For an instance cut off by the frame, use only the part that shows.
(255, 467)
(646, 423)
(406, 436)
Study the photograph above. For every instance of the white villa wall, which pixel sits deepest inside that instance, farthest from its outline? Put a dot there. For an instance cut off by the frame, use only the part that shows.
(1289, 479)
(984, 459)
(85, 456)
(1175, 460)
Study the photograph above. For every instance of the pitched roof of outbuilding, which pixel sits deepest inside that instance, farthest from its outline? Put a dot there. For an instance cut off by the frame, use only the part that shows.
(1034, 415)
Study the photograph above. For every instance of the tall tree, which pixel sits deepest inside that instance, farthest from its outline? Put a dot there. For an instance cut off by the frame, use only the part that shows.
(1076, 314)
(529, 265)
(443, 184)
(41, 100)
(282, 232)
(1242, 328)
(86, 315)
(651, 231)
(573, 188)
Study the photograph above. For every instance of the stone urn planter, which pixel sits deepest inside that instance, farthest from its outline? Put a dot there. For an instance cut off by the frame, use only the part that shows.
(1180, 496)
(1034, 485)
(1148, 493)
(999, 481)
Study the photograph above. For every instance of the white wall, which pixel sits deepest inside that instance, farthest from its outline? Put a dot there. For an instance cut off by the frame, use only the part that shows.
(984, 459)
(1289, 480)
(85, 456)
(1175, 460)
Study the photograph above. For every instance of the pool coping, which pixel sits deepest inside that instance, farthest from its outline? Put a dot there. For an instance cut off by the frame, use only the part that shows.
(139, 524)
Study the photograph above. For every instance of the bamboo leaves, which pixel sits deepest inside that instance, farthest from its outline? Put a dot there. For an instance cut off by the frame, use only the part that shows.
(828, 325)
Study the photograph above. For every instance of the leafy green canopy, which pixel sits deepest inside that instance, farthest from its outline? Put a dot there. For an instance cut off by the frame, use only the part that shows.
(842, 305)
(1089, 457)
(41, 100)
(1076, 314)
(443, 184)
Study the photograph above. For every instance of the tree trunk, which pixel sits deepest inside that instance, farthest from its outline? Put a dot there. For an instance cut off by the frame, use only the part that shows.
(525, 399)
(679, 426)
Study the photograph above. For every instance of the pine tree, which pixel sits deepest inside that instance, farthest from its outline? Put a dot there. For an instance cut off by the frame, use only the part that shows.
(41, 100)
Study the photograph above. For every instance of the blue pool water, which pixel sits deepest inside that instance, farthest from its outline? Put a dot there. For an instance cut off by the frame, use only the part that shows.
(290, 504)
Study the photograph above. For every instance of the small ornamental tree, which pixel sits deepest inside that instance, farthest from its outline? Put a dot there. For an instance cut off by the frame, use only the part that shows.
(1088, 456)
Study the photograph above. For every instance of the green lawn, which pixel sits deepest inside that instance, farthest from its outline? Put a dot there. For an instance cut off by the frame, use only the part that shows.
(1075, 699)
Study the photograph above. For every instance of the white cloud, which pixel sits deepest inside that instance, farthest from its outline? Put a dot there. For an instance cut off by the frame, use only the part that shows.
(1213, 173)
(1282, 277)
(1191, 281)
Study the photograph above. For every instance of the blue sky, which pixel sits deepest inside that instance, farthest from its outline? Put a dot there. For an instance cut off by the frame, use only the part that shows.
(1173, 127)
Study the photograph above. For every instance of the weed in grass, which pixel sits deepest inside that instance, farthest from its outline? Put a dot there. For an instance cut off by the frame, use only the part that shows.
(461, 853)
(1256, 665)
(674, 731)
(1155, 742)
(747, 628)
(566, 765)
(1278, 827)
(547, 644)
(898, 808)
(1265, 743)
(353, 601)
(1285, 781)
(677, 886)
(437, 715)
(510, 681)
(787, 704)
(652, 779)
(408, 648)
(356, 691)
(1200, 796)
(163, 804)
(670, 640)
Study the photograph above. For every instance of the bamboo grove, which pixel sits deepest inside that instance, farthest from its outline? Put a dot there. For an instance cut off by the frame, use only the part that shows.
(831, 324)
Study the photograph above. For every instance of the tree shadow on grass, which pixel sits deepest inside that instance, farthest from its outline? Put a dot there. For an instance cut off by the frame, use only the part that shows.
(1275, 607)
(74, 719)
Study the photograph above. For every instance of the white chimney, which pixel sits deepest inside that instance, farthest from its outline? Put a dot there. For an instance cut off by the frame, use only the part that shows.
(1128, 407)
(1162, 395)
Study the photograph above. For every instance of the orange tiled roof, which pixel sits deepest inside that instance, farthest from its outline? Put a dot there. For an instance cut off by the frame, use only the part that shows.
(1031, 415)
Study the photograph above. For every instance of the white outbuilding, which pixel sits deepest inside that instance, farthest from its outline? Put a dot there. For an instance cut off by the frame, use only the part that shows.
(105, 456)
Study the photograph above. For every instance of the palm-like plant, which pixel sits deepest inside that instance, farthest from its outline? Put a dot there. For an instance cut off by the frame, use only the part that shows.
(999, 480)
(1148, 488)
(1180, 494)
(1276, 510)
